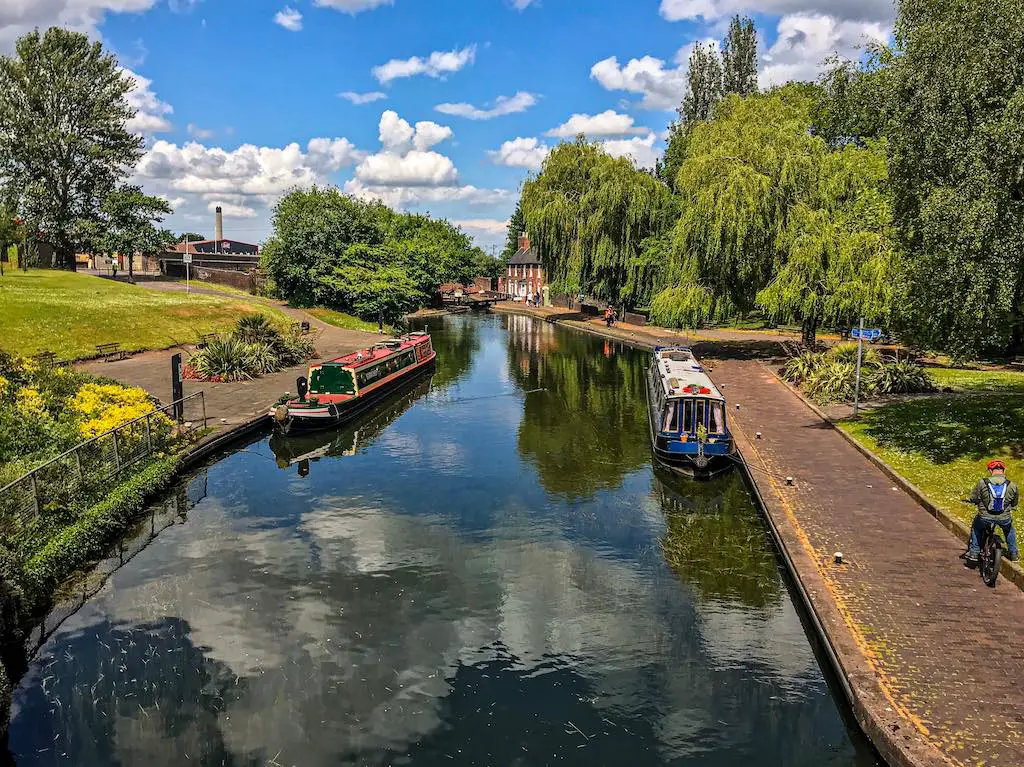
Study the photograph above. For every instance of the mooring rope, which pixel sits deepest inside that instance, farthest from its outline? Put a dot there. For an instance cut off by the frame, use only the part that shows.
(485, 396)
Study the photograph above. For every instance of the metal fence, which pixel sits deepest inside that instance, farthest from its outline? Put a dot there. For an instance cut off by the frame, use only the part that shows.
(172, 509)
(80, 477)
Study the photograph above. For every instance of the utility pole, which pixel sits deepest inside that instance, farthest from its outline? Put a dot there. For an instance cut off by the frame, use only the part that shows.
(860, 354)
(187, 264)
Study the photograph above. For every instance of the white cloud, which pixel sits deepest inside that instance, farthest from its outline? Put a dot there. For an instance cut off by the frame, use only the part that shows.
(640, 150)
(414, 168)
(201, 134)
(352, 6)
(711, 10)
(248, 171)
(608, 123)
(362, 98)
(150, 112)
(490, 226)
(504, 105)
(231, 210)
(660, 85)
(289, 18)
(804, 41)
(437, 65)
(398, 136)
(520, 153)
(17, 17)
(521, 5)
(404, 197)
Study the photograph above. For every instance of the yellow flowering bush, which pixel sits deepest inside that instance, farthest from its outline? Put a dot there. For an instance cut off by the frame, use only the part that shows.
(30, 402)
(5, 387)
(102, 407)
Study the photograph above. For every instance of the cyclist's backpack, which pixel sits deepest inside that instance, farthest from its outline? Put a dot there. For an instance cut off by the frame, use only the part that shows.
(998, 493)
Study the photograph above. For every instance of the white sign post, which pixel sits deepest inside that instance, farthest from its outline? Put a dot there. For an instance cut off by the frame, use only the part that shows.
(186, 259)
(860, 354)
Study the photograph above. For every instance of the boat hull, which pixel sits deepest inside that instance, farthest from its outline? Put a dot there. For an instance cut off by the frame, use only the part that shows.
(305, 420)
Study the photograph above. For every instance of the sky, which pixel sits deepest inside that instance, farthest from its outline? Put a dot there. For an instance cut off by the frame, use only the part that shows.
(433, 106)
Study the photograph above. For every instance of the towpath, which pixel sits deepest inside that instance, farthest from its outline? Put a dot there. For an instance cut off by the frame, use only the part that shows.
(230, 405)
(932, 657)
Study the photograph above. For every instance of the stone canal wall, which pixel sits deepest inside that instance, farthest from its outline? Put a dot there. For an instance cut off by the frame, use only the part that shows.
(928, 656)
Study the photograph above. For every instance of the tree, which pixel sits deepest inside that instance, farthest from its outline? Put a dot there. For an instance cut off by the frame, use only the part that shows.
(485, 265)
(703, 85)
(739, 58)
(128, 225)
(703, 91)
(516, 226)
(312, 230)
(190, 236)
(63, 141)
(11, 232)
(836, 251)
(374, 291)
(956, 134)
(588, 214)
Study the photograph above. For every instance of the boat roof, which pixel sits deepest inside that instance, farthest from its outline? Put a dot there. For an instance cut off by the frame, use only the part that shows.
(682, 375)
(363, 357)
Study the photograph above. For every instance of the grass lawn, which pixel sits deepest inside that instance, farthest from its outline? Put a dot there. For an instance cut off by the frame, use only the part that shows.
(69, 314)
(345, 321)
(978, 380)
(941, 444)
(226, 289)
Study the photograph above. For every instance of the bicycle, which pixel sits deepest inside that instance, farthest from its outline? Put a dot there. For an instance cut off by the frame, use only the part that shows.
(991, 557)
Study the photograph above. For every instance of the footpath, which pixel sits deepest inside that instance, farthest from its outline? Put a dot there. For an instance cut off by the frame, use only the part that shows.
(230, 407)
(930, 657)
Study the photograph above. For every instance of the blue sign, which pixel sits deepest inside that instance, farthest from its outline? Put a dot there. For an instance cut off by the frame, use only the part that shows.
(868, 334)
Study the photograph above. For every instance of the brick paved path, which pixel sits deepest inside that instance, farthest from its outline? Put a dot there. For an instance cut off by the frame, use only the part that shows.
(934, 656)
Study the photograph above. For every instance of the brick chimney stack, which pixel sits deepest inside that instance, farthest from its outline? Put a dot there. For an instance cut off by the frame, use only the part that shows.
(524, 241)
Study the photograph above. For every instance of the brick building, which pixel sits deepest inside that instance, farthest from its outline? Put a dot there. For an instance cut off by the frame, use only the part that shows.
(525, 276)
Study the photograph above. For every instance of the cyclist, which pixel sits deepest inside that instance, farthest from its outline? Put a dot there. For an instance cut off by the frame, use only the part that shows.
(996, 497)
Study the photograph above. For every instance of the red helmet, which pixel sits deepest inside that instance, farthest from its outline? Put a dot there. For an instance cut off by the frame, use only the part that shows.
(996, 464)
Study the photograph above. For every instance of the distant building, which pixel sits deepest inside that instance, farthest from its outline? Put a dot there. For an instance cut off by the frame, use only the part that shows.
(525, 276)
(217, 253)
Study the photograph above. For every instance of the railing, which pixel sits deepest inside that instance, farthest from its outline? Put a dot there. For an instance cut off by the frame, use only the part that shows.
(82, 475)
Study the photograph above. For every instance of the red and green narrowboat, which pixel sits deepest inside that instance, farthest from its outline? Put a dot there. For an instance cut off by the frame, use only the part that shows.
(338, 390)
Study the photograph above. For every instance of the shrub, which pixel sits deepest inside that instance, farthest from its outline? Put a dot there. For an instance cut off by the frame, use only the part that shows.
(223, 359)
(102, 407)
(902, 378)
(834, 381)
(263, 358)
(256, 328)
(802, 367)
(848, 353)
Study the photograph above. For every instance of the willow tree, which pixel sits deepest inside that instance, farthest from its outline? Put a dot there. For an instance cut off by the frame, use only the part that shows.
(588, 214)
(741, 174)
(836, 249)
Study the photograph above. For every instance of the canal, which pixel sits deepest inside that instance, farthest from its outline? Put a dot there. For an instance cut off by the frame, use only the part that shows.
(487, 571)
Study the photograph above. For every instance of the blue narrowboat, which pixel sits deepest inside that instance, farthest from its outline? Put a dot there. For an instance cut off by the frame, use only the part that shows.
(689, 432)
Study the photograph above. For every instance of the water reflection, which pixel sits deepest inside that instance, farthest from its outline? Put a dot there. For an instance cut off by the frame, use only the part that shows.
(299, 450)
(588, 430)
(398, 606)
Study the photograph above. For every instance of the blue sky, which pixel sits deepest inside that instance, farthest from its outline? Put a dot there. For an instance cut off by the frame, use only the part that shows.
(449, 104)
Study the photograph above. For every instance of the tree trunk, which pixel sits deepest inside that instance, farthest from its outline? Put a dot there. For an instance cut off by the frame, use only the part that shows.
(810, 331)
(1017, 321)
(131, 275)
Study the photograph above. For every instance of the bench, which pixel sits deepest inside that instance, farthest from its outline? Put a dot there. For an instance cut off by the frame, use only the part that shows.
(45, 359)
(110, 351)
(205, 339)
(1017, 362)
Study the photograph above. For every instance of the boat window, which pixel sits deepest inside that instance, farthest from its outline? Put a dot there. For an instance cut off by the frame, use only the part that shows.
(701, 414)
(717, 418)
(671, 420)
(688, 415)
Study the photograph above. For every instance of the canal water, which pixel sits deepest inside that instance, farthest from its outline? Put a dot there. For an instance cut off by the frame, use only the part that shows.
(487, 571)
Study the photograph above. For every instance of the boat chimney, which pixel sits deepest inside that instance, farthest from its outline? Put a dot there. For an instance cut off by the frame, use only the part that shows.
(219, 226)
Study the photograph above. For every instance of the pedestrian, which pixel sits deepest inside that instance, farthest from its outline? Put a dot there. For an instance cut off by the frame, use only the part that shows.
(113, 267)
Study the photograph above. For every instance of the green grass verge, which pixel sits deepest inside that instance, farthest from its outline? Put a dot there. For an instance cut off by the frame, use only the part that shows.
(86, 540)
(345, 321)
(69, 314)
(978, 380)
(941, 444)
(227, 290)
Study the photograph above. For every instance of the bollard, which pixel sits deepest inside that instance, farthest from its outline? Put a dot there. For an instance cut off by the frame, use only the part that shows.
(838, 557)
(737, 405)
(789, 480)
(757, 435)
